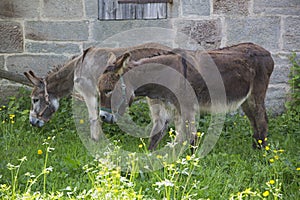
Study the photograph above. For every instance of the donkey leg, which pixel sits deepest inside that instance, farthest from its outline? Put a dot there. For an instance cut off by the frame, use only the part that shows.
(91, 100)
(157, 133)
(186, 129)
(262, 126)
(255, 110)
(160, 122)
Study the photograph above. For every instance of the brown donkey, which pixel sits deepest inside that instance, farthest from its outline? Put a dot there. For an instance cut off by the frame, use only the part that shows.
(245, 70)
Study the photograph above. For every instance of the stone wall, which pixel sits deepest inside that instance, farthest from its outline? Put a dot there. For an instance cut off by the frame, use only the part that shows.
(37, 34)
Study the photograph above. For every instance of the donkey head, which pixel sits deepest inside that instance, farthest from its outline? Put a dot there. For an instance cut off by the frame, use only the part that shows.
(43, 104)
(115, 68)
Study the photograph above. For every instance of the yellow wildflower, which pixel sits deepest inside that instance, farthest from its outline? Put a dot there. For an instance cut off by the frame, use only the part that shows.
(188, 157)
(140, 145)
(40, 152)
(271, 160)
(276, 157)
(171, 132)
(101, 173)
(281, 150)
(267, 148)
(158, 156)
(298, 168)
(248, 191)
(81, 121)
(12, 121)
(266, 193)
(266, 139)
(11, 116)
(272, 182)
(259, 141)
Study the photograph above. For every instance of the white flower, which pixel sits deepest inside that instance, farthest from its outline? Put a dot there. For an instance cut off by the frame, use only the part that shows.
(166, 183)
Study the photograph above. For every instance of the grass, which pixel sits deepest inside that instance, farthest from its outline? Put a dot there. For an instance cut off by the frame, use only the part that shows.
(52, 162)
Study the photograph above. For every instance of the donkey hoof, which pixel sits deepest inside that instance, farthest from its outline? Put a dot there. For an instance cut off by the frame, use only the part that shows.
(259, 144)
(96, 139)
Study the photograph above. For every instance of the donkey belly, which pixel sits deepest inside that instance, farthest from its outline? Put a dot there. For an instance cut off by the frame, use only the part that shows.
(219, 107)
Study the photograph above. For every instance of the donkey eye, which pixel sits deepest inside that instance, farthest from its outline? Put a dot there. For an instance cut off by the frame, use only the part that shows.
(107, 92)
(35, 100)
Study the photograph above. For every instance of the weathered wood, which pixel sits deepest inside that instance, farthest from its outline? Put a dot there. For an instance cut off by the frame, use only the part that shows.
(144, 1)
(112, 9)
(15, 77)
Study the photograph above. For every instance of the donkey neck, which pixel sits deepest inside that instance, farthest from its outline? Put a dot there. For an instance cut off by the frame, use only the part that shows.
(60, 83)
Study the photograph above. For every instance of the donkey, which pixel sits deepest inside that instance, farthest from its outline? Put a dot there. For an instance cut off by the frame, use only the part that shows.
(245, 70)
(81, 72)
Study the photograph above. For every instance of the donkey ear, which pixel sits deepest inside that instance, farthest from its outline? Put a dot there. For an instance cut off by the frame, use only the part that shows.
(122, 63)
(36, 81)
(111, 59)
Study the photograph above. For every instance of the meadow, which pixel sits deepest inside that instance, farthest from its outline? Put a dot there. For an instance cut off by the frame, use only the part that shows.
(52, 162)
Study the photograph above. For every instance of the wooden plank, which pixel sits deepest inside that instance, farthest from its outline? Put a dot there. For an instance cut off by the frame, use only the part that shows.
(150, 11)
(144, 1)
(126, 11)
(107, 9)
(139, 11)
(13, 76)
(161, 10)
(100, 9)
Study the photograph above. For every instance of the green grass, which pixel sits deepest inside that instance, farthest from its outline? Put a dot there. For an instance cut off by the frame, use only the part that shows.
(58, 166)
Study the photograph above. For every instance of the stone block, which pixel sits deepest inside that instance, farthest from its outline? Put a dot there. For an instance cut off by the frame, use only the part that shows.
(280, 74)
(11, 37)
(63, 9)
(7, 91)
(57, 48)
(275, 106)
(19, 8)
(91, 8)
(291, 34)
(281, 58)
(2, 62)
(277, 91)
(206, 33)
(276, 98)
(130, 31)
(195, 7)
(286, 7)
(57, 31)
(173, 10)
(264, 31)
(231, 7)
(40, 64)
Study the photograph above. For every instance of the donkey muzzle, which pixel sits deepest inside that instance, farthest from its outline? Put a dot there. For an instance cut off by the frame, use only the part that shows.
(107, 117)
(36, 122)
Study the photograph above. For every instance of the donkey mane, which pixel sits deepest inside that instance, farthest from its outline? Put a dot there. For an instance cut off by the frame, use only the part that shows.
(143, 53)
(54, 69)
